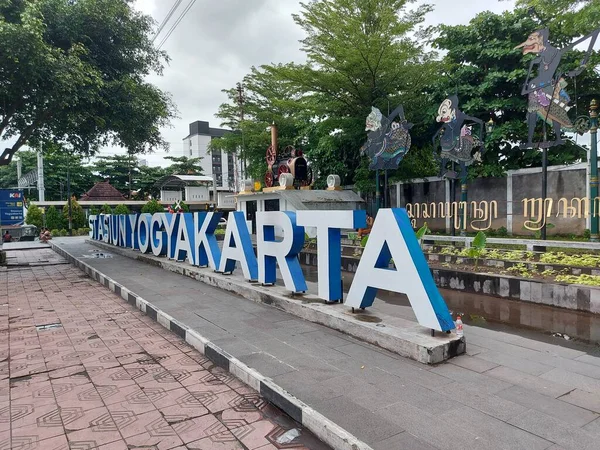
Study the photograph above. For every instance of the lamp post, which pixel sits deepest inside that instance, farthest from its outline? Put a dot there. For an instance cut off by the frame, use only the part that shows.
(594, 170)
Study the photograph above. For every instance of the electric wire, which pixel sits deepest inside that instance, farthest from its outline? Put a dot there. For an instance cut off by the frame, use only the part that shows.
(183, 14)
(167, 18)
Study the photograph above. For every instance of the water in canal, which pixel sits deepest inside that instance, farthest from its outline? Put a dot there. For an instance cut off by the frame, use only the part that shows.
(546, 323)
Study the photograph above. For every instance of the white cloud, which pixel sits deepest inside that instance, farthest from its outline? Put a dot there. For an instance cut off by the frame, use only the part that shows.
(218, 41)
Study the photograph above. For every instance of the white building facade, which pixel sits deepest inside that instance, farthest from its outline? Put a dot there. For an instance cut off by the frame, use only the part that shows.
(225, 166)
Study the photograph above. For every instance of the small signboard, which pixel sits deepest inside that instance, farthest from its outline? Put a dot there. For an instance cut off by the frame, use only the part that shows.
(11, 206)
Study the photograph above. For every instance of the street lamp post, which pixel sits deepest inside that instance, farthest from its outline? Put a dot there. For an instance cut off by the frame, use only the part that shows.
(594, 237)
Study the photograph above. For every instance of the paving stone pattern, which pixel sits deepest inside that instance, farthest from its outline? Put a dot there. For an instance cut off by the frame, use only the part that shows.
(82, 369)
(509, 392)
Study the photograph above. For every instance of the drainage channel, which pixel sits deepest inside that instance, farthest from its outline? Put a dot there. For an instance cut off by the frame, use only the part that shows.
(546, 323)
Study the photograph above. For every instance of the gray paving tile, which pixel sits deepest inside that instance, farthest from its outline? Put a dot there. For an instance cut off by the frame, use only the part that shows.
(315, 368)
(505, 436)
(521, 364)
(537, 384)
(266, 364)
(573, 380)
(465, 376)
(236, 346)
(589, 359)
(304, 387)
(473, 363)
(583, 399)
(364, 424)
(554, 430)
(439, 433)
(398, 389)
(558, 409)
(403, 441)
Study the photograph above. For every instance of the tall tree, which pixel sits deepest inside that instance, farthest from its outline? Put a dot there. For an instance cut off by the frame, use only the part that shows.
(73, 72)
(117, 170)
(182, 165)
(487, 73)
(57, 162)
(360, 53)
(574, 17)
(144, 182)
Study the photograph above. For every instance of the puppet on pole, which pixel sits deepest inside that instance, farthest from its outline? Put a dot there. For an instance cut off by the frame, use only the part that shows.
(388, 141)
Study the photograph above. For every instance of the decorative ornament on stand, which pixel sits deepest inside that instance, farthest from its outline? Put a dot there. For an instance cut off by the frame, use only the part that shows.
(288, 161)
(457, 140)
(176, 207)
(548, 99)
(388, 141)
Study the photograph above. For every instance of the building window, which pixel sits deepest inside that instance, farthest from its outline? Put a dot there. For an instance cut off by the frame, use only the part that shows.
(272, 205)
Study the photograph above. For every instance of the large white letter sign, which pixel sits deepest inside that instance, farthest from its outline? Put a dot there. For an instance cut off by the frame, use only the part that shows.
(171, 224)
(93, 226)
(283, 253)
(133, 236)
(105, 227)
(143, 232)
(184, 240)
(158, 236)
(114, 229)
(237, 246)
(393, 237)
(124, 231)
(207, 248)
(329, 245)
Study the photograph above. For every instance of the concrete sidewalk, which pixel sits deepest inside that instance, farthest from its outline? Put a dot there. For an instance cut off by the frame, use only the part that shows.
(81, 369)
(509, 392)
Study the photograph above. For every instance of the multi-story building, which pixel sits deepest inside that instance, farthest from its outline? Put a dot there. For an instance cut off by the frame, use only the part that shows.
(225, 166)
(219, 163)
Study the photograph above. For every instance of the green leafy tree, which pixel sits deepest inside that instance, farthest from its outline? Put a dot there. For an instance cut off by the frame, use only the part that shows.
(57, 162)
(575, 17)
(145, 182)
(360, 53)
(34, 216)
(54, 219)
(117, 170)
(121, 210)
(74, 71)
(77, 214)
(106, 209)
(153, 206)
(182, 165)
(487, 74)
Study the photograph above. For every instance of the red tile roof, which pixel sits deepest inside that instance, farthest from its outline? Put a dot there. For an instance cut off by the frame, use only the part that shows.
(103, 191)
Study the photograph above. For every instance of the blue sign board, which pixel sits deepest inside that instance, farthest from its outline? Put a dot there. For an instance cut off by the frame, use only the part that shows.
(11, 206)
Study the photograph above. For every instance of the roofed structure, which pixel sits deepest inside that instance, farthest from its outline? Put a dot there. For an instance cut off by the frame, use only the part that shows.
(103, 191)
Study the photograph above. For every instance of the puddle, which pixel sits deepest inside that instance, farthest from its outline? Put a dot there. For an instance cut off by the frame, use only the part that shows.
(48, 326)
(366, 318)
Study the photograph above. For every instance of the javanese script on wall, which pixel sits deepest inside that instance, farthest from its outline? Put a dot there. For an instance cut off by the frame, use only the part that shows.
(478, 215)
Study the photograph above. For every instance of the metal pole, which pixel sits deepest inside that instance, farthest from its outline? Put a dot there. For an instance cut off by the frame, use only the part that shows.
(453, 199)
(69, 195)
(594, 171)
(377, 193)
(544, 182)
(385, 187)
(40, 164)
(463, 200)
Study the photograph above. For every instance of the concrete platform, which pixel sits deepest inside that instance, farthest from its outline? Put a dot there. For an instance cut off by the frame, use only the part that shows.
(401, 336)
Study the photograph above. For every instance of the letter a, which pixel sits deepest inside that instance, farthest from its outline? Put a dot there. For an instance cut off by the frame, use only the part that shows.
(393, 237)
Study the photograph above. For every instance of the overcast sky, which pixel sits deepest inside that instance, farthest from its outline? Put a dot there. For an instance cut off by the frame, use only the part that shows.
(217, 42)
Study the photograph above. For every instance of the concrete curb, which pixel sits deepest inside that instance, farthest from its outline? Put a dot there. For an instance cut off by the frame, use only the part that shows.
(327, 431)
